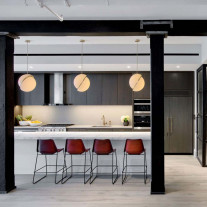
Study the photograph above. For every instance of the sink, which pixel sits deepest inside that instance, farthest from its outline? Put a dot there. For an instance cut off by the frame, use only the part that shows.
(101, 126)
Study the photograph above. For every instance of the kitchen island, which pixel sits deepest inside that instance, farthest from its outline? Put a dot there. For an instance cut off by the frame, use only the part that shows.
(25, 147)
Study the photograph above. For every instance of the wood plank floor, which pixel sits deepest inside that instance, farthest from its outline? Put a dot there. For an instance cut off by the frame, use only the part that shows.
(186, 185)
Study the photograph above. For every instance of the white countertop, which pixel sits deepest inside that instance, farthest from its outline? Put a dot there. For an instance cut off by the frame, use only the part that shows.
(99, 127)
(82, 135)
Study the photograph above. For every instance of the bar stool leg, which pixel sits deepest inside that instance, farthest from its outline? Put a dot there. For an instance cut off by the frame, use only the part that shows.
(35, 170)
(92, 169)
(66, 170)
(116, 168)
(56, 167)
(86, 170)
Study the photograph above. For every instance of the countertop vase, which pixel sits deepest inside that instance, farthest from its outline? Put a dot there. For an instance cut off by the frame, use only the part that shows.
(126, 123)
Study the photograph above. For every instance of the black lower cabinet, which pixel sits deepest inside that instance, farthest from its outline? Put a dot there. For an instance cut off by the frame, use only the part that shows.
(178, 125)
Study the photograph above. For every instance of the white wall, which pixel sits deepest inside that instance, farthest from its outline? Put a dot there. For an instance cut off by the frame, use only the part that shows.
(81, 115)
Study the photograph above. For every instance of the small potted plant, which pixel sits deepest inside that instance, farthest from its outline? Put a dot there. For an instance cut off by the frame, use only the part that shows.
(125, 120)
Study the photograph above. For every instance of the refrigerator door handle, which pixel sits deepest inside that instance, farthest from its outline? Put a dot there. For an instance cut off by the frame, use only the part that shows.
(171, 125)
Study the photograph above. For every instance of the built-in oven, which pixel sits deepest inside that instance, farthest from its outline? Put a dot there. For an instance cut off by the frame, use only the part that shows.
(141, 106)
(142, 121)
(142, 113)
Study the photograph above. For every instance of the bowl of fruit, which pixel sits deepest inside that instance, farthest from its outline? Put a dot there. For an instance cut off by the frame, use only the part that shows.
(23, 121)
(35, 123)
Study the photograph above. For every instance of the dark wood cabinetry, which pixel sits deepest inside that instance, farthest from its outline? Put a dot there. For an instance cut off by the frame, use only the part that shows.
(72, 96)
(179, 112)
(94, 93)
(178, 125)
(105, 89)
(124, 90)
(178, 80)
(110, 89)
(145, 92)
(35, 97)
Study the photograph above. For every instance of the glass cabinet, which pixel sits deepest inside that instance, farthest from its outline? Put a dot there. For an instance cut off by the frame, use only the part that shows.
(201, 115)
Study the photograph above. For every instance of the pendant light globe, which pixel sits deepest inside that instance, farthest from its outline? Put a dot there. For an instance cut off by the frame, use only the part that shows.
(27, 82)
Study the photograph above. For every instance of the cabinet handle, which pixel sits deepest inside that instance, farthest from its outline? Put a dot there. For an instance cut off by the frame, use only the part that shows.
(171, 127)
(168, 125)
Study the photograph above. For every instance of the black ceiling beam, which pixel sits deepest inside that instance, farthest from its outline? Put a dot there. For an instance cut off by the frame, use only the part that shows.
(101, 28)
(104, 54)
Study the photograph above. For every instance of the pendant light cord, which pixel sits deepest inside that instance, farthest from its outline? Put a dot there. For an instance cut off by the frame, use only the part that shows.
(137, 56)
(27, 57)
(81, 57)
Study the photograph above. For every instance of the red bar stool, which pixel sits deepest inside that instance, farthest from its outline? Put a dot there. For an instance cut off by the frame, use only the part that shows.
(104, 147)
(134, 147)
(75, 147)
(47, 147)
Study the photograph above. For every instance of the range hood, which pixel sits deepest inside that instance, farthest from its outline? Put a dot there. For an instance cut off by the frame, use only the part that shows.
(57, 90)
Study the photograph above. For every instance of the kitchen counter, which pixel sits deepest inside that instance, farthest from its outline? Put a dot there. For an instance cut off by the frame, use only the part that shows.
(26, 144)
(83, 135)
(78, 128)
(99, 127)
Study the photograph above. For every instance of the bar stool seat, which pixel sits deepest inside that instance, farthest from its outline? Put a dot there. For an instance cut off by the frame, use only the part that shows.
(47, 147)
(104, 147)
(75, 147)
(134, 147)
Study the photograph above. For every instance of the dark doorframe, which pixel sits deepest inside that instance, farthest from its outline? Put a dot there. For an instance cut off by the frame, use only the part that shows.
(157, 114)
(7, 182)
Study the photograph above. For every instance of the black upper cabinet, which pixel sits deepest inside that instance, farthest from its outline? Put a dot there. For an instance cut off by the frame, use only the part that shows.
(110, 89)
(71, 95)
(35, 97)
(124, 90)
(94, 93)
(145, 92)
(178, 80)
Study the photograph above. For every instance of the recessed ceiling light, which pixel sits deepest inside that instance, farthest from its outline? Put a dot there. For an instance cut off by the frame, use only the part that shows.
(128, 66)
(30, 67)
(79, 66)
(177, 66)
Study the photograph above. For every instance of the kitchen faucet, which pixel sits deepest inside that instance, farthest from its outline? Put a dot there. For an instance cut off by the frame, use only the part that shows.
(104, 120)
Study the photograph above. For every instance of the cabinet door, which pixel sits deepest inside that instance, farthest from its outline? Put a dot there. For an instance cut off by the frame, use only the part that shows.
(178, 80)
(124, 90)
(110, 89)
(72, 96)
(167, 124)
(94, 93)
(181, 125)
(145, 92)
(35, 97)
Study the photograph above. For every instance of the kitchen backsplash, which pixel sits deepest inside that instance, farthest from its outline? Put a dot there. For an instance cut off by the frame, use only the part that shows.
(81, 115)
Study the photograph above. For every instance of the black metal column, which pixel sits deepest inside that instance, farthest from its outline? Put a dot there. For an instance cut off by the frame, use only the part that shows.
(7, 182)
(157, 113)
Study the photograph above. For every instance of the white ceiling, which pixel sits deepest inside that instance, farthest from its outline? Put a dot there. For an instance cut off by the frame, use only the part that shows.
(99, 9)
(104, 44)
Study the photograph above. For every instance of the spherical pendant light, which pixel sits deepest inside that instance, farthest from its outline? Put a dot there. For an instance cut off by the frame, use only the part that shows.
(136, 81)
(27, 82)
(81, 81)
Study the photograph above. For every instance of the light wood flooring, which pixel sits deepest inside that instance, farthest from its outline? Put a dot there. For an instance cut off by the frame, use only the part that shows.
(186, 185)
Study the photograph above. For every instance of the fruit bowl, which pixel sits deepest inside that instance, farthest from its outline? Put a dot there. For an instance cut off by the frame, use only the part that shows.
(35, 123)
(24, 123)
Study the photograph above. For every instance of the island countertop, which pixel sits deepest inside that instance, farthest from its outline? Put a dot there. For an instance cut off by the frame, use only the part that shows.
(82, 135)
